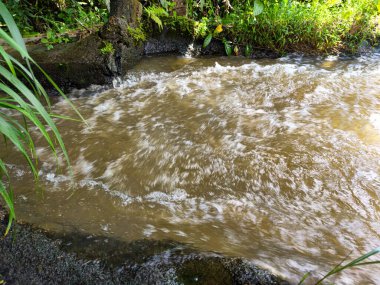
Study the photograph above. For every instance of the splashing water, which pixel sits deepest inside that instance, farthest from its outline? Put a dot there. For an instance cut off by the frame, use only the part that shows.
(273, 160)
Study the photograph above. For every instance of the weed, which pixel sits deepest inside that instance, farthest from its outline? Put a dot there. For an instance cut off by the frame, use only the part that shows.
(137, 34)
(108, 48)
(53, 38)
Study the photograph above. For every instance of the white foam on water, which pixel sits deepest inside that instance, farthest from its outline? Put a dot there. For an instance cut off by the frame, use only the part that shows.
(83, 166)
(375, 120)
(278, 151)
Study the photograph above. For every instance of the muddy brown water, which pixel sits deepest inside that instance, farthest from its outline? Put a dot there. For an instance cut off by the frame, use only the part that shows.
(276, 161)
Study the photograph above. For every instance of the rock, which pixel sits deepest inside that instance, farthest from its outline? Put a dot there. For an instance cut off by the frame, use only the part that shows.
(365, 47)
(129, 11)
(83, 62)
(32, 256)
(77, 64)
(88, 61)
(29, 257)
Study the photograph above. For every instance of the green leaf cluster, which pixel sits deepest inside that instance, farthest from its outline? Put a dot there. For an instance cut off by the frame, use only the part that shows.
(107, 48)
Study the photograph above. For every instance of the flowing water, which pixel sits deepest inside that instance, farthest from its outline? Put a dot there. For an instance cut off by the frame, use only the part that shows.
(276, 161)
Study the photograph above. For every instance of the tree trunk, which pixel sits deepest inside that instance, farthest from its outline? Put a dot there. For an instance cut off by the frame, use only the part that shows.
(128, 10)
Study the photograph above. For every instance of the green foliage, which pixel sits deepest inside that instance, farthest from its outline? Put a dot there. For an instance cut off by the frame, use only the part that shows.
(41, 16)
(201, 28)
(137, 34)
(321, 27)
(179, 24)
(207, 40)
(325, 26)
(209, 37)
(248, 50)
(154, 13)
(23, 97)
(227, 47)
(258, 8)
(53, 38)
(107, 48)
(57, 18)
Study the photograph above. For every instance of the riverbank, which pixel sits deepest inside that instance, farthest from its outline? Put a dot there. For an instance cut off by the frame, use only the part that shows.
(81, 63)
(253, 30)
(284, 26)
(33, 256)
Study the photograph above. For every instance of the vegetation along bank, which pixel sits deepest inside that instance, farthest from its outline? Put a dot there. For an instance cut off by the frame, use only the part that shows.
(102, 39)
(309, 26)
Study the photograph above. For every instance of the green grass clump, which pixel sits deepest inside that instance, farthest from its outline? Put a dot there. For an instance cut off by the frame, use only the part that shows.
(316, 27)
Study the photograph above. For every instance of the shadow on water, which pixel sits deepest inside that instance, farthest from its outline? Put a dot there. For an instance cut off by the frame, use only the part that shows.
(73, 258)
(165, 261)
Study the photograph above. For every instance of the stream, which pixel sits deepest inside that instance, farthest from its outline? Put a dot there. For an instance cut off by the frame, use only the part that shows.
(273, 160)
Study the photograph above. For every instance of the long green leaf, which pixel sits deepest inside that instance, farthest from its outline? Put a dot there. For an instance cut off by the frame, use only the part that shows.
(207, 40)
(356, 262)
(13, 44)
(304, 278)
(3, 169)
(25, 101)
(37, 104)
(29, 76)
(8, 198)
(7, 60)
(27, 112)
(17, 138)
(258, 7)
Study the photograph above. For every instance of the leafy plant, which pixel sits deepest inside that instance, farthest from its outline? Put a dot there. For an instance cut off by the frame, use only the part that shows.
(108, 48)
(154, 13)
(52, 38)
(227, 47)
(200, 28)
(57, 19)
(24, 98)
(137, 34)
(258, 7)
(209, 37)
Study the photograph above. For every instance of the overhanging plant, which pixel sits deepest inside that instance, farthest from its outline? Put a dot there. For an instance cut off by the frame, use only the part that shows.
(22, 93)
